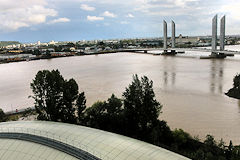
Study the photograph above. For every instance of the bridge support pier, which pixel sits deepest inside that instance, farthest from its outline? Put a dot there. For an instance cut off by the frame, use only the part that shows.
(165, 46)
(216, 53)
(169, 53)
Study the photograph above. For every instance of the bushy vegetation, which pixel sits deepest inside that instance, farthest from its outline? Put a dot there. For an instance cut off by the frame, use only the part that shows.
(3, 116)
(6, 43)
(56, 99)
(235, 91)
(135, 115)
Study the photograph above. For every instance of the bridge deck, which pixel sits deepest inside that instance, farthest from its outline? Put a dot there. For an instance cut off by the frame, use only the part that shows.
(180, 49)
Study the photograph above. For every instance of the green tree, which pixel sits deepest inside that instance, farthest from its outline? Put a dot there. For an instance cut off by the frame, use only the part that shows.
(48, 53)
(27, 112)
(36, 52)
(55, 98)
(58, 48)
(141, 109)
(47, 90)
(2, 116)
(221, 144)
(181, 137)
(229, 151)
(210, 141)
(81, 106)
(235, 91)
(114, 105)
(160, 134)
(236, 81)
(69, 97)
(106, 115)
(94, 116)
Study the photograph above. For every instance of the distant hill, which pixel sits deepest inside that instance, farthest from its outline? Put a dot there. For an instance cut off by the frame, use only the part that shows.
(6, 43)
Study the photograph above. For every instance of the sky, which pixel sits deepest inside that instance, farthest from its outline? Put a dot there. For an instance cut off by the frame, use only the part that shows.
(73, 20)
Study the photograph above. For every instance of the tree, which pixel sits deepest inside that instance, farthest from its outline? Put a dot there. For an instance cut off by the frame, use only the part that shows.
(95, 115)
(106, 115)
(69, 97)
(58, 48)
(114, 105)
(81, 106)
(48, 54)
(210, 141)
(160, 134)
(141, 109)
(55, 98)
(221, 144)
(229, 151)
(36, 52)
(3, 117)
(181, 137)
(235, 91)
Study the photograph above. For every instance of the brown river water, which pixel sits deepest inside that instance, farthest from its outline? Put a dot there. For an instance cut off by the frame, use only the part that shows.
(191, 90)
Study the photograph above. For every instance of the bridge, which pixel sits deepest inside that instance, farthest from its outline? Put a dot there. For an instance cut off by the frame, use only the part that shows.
(215, 53)
(179, 50)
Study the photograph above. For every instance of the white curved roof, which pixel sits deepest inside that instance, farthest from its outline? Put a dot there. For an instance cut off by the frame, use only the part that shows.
(22, 150)
(102, 144)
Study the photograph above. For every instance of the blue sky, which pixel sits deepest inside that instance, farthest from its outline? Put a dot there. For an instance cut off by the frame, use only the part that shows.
(72, 20)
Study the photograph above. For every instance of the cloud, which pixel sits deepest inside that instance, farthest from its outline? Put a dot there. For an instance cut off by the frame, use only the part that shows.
(181, 3)
(87, 7)
(59, 20)
(106, 24)
(124, 22)
(129, 15)
(17, 15)
(152, 6)
(109, 14)
(94, 18)
(192, 17)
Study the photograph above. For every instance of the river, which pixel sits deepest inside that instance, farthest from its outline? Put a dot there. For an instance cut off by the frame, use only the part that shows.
(191, 90)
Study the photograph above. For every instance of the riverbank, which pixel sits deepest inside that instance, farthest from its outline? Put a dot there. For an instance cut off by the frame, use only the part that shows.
(69, 54)
(28, 114)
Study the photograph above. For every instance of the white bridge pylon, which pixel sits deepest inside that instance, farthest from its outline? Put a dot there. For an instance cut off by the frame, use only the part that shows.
(165, 39)
(222, 33)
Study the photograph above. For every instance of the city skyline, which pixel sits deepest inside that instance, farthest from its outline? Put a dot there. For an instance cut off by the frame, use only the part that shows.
(46, 20)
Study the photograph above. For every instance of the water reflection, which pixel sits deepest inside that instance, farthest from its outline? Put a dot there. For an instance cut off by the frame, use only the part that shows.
(169, 74)
(217, 73)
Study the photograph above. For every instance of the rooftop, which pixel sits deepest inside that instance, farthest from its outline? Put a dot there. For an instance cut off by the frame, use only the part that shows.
(98, 143)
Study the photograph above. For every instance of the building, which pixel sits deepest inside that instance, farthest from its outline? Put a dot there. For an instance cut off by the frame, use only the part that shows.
(186, 39)
(40, 140)
(52, 42)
